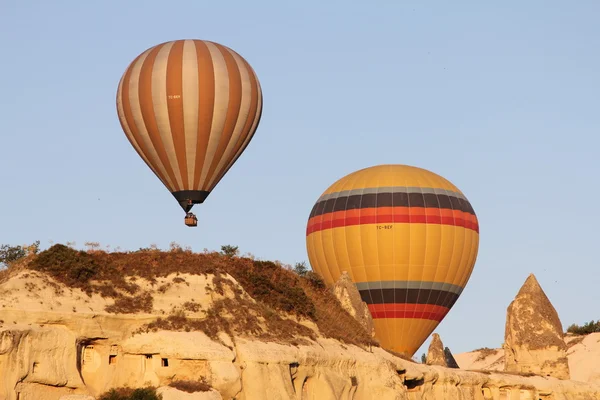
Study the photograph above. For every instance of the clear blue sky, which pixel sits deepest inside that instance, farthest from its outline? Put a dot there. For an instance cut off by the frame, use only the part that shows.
(500, 99)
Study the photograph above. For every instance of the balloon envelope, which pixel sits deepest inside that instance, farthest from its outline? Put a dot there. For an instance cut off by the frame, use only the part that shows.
(409, 240)
(189, 108)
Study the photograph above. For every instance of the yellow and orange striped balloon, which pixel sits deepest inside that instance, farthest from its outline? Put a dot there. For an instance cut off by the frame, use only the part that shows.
(407, 237)
(189, 108)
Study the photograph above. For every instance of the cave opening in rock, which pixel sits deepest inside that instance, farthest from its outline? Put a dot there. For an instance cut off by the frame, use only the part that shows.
(164, 362)
(413, 384)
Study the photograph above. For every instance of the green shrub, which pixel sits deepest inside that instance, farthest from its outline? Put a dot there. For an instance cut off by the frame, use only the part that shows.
(229, 250)
(70, 266)
(300, 268)
(10, 254)
(585, 329)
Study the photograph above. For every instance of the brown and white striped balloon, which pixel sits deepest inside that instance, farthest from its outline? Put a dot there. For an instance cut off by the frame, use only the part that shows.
(189, 108)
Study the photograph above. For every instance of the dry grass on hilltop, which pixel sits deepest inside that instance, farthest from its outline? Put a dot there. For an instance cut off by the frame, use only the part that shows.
(277, 291)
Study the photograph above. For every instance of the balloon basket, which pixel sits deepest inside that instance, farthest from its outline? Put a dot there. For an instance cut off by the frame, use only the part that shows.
(191, 220)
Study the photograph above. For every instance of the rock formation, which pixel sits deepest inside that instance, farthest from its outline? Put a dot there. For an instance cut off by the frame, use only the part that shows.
(347, 293)
(583, 354)
(59, 343)
(450, 361)
(252, 369)
(534, 340)
(435, 354)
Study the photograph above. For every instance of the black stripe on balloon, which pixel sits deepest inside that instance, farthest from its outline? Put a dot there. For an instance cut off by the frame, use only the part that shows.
(398, 199)
(409, 296)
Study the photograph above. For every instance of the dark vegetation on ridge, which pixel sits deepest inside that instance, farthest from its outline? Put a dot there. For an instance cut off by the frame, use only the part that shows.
(485, 352)
(585, 329)
(149, 393)
(276, 289)
(191, 386)
(125, 393)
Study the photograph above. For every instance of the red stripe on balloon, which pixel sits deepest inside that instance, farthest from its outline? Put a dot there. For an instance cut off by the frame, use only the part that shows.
(402, 310)
(393, 215)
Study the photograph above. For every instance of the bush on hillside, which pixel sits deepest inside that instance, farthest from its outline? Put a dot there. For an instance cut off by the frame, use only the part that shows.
(191, 386)
(585, 329)
(229, 250)
(300, 268)
(70, 266)
(10, 254)
(126, 393)
(268, 282)
(315, 280)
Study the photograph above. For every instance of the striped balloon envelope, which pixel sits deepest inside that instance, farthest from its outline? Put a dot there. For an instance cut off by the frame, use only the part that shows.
(189, 109)
(407, 237)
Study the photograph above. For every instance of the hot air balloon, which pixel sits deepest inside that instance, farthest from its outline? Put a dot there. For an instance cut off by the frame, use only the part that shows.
(407, 237)
(189, 109)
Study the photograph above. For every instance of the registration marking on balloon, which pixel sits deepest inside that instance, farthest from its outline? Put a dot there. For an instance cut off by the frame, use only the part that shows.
(407, 237)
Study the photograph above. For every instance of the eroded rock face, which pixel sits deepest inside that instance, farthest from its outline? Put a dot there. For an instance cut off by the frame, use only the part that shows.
(534, 340)
(72, 356)
(348, 295)
(435, 354)
(8, 339)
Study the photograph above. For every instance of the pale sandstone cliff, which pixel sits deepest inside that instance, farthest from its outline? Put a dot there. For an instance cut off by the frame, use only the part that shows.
(534, 340)
(60, 343)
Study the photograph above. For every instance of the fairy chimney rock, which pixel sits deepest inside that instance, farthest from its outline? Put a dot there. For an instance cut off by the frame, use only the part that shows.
(450, 360)
(435, 354)
(346, 292)
(533, 337)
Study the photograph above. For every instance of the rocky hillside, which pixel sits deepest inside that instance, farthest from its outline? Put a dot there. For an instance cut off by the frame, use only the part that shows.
(75, 324)
(534, 342)
(583, 354)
